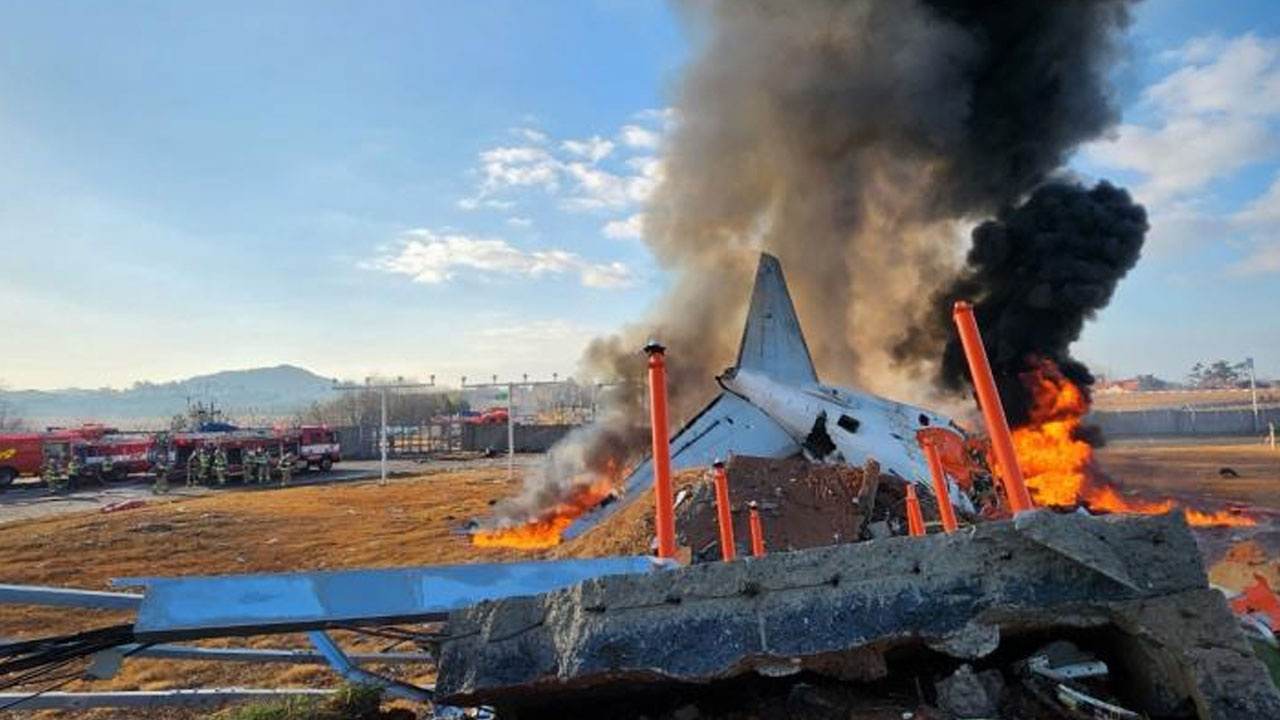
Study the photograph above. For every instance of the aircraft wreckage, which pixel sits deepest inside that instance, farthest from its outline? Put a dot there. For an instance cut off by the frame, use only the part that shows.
(1044, 614)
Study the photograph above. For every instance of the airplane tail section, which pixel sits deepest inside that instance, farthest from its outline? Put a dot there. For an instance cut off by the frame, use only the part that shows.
(773, 342)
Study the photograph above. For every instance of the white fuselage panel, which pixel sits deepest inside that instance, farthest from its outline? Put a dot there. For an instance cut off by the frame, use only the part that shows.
(860, 426)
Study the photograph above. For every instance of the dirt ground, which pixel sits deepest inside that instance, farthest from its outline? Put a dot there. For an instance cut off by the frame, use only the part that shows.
(1194, 471)
(410, 521)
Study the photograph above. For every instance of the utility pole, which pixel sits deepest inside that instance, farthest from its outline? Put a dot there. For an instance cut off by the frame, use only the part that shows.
(382, 388)
(596, 387)
(511, 409)
(1253, 391)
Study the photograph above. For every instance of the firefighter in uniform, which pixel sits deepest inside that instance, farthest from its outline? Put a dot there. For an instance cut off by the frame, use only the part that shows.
(161, 486)
(49, 473)
(247, 466)
(220, 465)
(286, 467)
(202, 458)
(193, 468)
(73, 469)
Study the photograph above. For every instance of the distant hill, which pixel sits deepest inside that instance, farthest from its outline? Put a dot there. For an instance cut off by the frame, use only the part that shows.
(261, 392)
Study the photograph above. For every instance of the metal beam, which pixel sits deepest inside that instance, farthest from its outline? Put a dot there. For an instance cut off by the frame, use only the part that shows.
(267, 655)
(205, 698)
(67, 597)
(343, 666)
(219, 606)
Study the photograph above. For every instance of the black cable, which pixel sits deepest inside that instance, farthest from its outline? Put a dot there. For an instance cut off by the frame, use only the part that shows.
(41, 651)
(59, 682)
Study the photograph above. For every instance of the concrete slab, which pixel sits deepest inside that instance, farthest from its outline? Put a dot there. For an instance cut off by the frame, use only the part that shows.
(840, 610)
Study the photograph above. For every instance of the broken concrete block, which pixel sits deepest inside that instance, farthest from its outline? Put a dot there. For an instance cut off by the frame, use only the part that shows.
(841, 610)
(967, 694)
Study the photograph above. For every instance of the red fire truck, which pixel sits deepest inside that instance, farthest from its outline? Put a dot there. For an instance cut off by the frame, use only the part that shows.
(107, 454)
(100, 451)
(312, 447)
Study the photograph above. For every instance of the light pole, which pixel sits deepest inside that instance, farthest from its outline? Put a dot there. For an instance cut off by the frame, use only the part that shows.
(1253, 391)
(511, 410)
(382, 389)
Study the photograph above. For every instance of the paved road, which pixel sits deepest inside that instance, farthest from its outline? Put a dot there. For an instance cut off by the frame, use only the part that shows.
(28, 498)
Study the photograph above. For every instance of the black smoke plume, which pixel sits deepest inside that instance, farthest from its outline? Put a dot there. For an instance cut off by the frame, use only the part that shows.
(1035, 274)
(853, 139)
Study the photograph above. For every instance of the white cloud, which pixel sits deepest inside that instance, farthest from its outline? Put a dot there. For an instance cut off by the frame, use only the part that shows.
(594, 148)
(473, 203)
(596, 189)
(1264, 211)
(536, 331)
(1213, 115)
(432, 257)
(1185, 153)
(628, 228)
(1260, 220)
(1241, 78)
(639, 137)
(523, 166)
(530, 134)
(520, 222)
(1216, 112)
(665, 118)
(592, 174)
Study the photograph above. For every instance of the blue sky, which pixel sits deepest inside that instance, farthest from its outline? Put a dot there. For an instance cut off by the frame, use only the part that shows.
(453, 188)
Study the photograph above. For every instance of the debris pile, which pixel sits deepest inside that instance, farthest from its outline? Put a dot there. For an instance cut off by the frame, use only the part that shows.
(802, 505)
(894, 619)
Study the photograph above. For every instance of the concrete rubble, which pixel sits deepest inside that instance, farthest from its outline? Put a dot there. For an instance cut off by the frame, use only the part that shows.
(1130, 589)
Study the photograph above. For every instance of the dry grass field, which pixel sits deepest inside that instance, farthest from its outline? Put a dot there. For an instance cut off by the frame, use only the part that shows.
(411, 521)
(1194, 471)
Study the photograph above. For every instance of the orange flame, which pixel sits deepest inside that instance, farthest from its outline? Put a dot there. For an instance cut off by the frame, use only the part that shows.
(545, 530)
(1058, 466)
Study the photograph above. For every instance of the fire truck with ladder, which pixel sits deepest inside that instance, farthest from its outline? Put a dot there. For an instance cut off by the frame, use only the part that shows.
(106, 454)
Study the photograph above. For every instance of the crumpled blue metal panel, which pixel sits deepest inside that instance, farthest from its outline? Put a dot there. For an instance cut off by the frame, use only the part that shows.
(218, 606)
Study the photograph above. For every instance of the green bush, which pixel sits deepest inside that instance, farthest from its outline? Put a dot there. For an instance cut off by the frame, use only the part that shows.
(350, 702)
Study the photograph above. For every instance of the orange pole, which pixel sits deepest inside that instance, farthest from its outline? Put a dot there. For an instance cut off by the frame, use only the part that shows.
(757, 532)
(915, 518)
(664, 515)
(940, 489)
(992, 410)
(727, 549)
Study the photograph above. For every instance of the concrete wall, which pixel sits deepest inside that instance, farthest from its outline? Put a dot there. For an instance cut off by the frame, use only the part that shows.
(529, 438)
(361, 443)
(358, 443)
(1184, 422)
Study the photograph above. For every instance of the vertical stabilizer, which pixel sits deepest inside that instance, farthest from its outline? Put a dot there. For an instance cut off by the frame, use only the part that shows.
(772, 342)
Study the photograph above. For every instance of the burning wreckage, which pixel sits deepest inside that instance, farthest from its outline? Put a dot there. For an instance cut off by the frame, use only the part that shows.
(1019, 613)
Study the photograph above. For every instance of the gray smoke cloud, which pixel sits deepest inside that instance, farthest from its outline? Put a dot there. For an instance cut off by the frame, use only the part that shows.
(856, 140)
